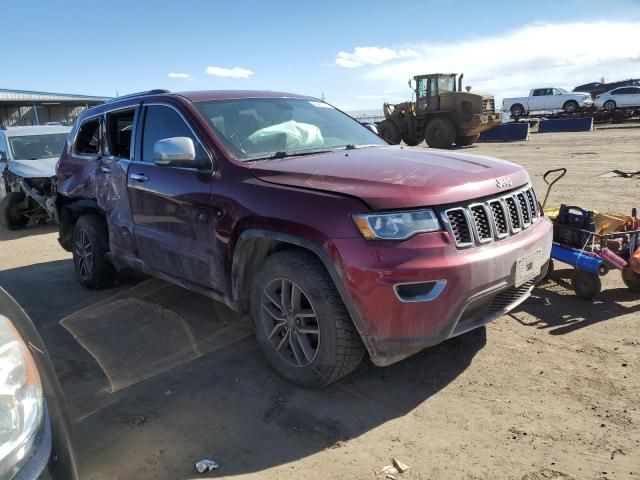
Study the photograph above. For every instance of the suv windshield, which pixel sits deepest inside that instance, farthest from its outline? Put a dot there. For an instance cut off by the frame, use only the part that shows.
(35, 147)
(259, 128)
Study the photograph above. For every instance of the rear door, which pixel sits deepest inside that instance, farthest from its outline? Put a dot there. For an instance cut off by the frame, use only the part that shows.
(171, 206)
(111, 177)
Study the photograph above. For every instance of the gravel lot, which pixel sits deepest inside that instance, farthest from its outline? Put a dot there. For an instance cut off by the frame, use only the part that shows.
(157, 377)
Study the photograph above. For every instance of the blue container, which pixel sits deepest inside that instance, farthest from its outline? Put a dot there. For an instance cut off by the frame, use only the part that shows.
(506, 132)
(566, 125)
(576, 259)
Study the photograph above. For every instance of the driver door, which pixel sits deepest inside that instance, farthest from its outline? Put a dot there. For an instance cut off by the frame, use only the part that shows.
(173, 220)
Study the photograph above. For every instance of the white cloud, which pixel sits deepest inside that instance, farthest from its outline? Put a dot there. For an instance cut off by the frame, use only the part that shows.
(371, 56)
(562, 55)
(181, 76)
(235, 72)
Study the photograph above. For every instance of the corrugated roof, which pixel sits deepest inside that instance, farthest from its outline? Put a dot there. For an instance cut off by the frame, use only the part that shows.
(7, 95)
(35, 130)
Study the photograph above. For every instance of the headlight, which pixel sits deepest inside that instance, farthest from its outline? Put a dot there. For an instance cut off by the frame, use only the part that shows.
(397, 225)
(21, 403)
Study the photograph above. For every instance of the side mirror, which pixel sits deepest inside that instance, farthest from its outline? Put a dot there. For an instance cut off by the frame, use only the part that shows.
(410, 82)
(3, 157)
(176, 152)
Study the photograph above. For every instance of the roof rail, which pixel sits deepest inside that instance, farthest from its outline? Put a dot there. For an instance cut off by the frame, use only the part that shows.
(156, 91)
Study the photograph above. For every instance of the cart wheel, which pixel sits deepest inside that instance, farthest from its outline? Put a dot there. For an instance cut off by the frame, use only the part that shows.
(631, 279)
(586, 284)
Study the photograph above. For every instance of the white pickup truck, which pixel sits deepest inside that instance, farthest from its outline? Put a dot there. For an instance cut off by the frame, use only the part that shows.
(546, 99)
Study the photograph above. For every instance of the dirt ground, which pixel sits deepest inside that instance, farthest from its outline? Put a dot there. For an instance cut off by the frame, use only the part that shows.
(157, 377)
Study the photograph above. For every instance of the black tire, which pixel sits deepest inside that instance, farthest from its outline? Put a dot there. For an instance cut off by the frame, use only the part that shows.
(10, 208)
(440, 133)
(609, 105)
(467, 140)
(90, 246)
(586, 284)
(631, 279)
(570, 106)
(517, 110)
(388, 130)
(338, 349)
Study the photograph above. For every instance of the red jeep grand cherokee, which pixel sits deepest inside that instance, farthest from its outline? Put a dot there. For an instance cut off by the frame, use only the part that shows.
(284, 207)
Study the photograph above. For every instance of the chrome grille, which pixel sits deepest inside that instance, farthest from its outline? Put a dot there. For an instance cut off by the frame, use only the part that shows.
(524, 209)
(460, 226)
(481, 222)
(491, 220)
(531, 197)
(499, 218)
(514, 216)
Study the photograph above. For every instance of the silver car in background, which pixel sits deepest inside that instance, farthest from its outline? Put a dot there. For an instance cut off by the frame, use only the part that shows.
(28, 157)
(622, 97)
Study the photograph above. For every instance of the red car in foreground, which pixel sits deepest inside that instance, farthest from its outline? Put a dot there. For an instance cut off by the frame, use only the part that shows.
(279, 205)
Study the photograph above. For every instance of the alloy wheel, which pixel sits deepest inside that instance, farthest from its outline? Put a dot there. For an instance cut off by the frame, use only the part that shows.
(84, 255)
(290, 322)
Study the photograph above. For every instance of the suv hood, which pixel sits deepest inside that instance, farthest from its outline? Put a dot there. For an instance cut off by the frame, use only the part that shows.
(42, 168)
(395, 177)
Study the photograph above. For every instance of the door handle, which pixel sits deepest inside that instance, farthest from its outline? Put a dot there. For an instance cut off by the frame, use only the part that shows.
(105, 169)
(140, 177)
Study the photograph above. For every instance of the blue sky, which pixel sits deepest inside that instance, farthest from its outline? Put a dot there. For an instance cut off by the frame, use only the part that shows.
(358, 53)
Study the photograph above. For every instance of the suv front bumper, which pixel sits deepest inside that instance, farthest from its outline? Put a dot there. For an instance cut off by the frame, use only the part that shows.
(479, 286)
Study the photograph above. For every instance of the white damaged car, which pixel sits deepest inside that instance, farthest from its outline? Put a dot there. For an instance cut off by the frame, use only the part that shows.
(28, 157)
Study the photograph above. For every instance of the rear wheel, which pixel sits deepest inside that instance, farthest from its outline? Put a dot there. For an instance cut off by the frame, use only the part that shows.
(631, 279)
(610, 105)
(440, 133)
(13, 211)
(517, 110)
(571, 106)
(467, 140)
(586, 284)
(388, 130)
(90, 246)
(301, 322)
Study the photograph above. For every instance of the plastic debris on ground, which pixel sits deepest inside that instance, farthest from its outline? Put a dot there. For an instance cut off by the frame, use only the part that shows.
(401, 467)
(205, 465)
(388, 469)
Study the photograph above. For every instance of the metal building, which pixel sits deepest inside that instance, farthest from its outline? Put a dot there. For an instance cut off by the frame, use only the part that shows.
(22, 107)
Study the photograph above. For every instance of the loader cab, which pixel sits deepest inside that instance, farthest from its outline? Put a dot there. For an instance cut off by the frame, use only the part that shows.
(428, 87)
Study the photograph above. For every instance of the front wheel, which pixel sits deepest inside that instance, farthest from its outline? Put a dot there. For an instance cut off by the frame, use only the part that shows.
(571, 106)
(302, 325)
(388, 130)
(13, 210)
(440, 133)
(609, 105)
(467, 140)
(90, 246)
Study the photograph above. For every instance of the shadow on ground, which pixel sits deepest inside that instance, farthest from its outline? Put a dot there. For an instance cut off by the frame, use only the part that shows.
(555, 307)
(158, 377)
(29, 231)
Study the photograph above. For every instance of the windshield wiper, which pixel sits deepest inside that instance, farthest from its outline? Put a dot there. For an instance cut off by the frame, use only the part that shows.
(353, 146)
(283, 154)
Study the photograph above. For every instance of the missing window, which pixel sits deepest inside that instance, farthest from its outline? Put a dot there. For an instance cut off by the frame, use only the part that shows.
(88, 140)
